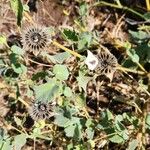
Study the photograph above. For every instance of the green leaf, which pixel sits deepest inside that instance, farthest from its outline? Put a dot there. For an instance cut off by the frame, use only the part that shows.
(104, 124)
(119, 126)
(70, 146)
(80, 100)
(2, 63)
(26, 8)
(18, 121)
(132, 119)
(17, 50)
(92, 143)
(67, 92)
(119, 118)
(132, 54)
(85, 40)
(61, 72)
(74, 130)
(19, 68)
(7, 145)
(88, 123)
(116, 139)
(17, 8)
(83, 9)
(13, 58)
(16, 66)
(133, 144)
(2, 133)
(37, 130)
(147, 16)
(29, 92)
(125, 134)
(83, 80)
(109, 115)
(46, 92)
(74, 120)
(19, 141)
(139, 35)
(128, 63)
(64, 117)
(81, 44)
(70, 130)
(90, 133)
(143, 52)
(148, 120)
(61, 121)
(39, 75)
(70, 35)
(3, 40)
(79, 147)
(78, 133)
(60, 57)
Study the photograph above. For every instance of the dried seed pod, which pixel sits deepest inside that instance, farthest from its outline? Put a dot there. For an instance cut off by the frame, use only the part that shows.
(35, 39)
(41, 110)
(104, 63)
(107, 63)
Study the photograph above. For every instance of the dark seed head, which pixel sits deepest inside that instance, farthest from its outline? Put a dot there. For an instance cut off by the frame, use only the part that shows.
(107, 63)
(35, 39)
(41, 110)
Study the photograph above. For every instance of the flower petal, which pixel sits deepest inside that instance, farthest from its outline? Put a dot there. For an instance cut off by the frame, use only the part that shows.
(91, 61)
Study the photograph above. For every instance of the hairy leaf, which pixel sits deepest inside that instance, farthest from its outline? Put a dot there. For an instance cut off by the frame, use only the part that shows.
(61, 72)
(83, 80)
(17, 7)
(19, 141)
(70, 35)
(133, 144)
(17, 50)
(46, 92)
(3, 39)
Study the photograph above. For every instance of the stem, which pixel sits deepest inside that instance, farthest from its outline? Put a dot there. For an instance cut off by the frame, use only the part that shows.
(137, 107)
(105, 136)
(27, 16)
(133, 11)
(145, 27)
(22, 101)
(142, 68)
(86, 113)
(119, 7)
(130, 70)
(148, 5)
(118, 3)
(17, 129)
(78, 24)
(144, 124)
(41, 64)
(3, 65)
(66, 49)
(131, 104)
(107, 4)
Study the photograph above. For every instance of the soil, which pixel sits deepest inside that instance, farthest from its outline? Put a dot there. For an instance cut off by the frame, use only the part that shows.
(112, 25)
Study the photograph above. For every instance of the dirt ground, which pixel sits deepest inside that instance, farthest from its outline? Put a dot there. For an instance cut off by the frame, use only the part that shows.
(122, 95)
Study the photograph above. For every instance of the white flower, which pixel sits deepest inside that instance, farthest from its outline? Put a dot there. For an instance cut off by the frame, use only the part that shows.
(91, 61)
